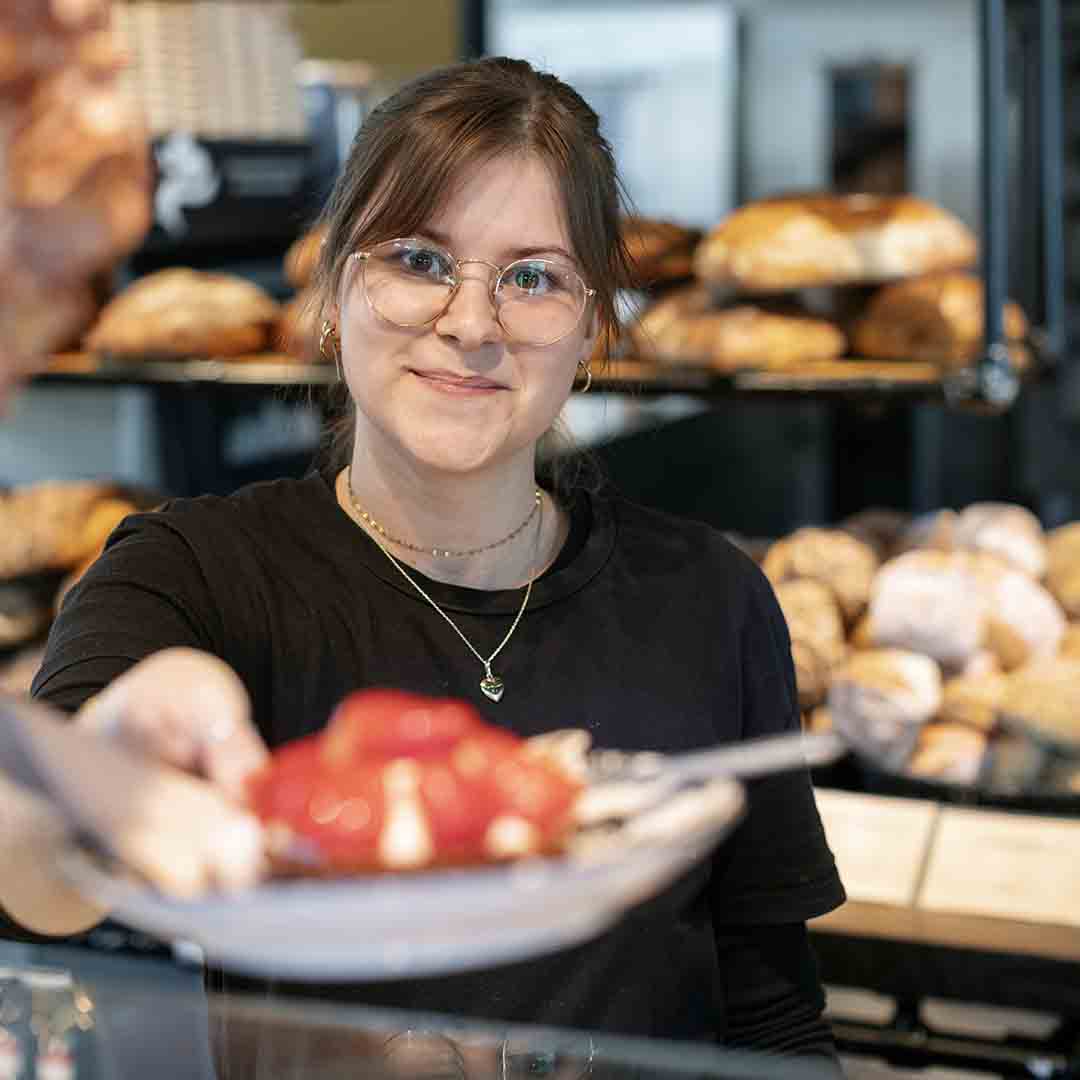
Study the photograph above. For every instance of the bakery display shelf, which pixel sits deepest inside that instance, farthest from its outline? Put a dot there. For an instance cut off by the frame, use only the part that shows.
(624, 376)
(263, 369)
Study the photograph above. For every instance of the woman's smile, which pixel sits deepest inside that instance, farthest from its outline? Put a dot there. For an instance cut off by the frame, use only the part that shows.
(449, 382)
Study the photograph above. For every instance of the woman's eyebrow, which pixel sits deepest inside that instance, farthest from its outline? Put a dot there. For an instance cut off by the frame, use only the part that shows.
(511, 254)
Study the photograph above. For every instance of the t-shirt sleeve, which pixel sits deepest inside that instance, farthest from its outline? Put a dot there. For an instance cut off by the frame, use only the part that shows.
(776, 867)
(145, 593)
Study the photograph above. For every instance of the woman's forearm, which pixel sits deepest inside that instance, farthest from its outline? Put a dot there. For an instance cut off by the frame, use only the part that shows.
(32, 891)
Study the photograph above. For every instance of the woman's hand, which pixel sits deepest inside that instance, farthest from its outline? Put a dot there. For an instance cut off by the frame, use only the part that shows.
(186, 708)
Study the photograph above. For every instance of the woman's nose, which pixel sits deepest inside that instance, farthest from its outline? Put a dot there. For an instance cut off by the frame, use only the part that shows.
(470, 318)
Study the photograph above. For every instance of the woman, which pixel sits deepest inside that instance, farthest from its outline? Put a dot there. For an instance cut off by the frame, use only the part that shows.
(472, 258)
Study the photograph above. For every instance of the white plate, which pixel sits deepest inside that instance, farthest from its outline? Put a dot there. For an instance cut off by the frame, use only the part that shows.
(399, 926)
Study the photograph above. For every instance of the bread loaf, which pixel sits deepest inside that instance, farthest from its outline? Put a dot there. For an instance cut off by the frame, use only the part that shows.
(1045, 697)
(937, 319)
(973, 700)
(49, 526)
(843, 564)
(1063, 567)
(685, 327)
(660, 251)
(1008, 531)
(74, 171)
(810, 240)
(817, 636)
(181, 312)
(1023, 621)
(303, 256)
(949, 752)
(1070, 642)
(929, 602)
(880, 528)
(880, 698)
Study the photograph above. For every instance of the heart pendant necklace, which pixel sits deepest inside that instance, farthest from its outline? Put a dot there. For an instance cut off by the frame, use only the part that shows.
(491, 685)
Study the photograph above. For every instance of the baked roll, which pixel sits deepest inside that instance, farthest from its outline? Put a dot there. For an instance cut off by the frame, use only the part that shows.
(929, 602)
(1070, 642)
(949, 752)
(880, 698)
(47, 527)
(937, 319)
(1012, 533)
(1023, 621)
(817, 636)
(973, 700)
(1045, 697)
(879, 528)
(303, 256)
(802, 241)
(1063, 567)
(660, 251)
(181, 312)
(686, 327)
(843, 564)
(74, 171)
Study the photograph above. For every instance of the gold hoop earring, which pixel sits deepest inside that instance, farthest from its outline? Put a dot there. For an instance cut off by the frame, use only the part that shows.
(327, 334)
(588, 376)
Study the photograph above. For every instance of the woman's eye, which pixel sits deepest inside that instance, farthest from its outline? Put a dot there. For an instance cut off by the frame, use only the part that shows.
(424, 261)
(530, 279)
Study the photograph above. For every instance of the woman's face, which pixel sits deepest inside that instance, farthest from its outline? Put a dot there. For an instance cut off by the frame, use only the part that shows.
(455, 395)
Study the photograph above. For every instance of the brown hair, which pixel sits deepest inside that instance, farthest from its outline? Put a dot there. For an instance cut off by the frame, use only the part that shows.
(416, 143)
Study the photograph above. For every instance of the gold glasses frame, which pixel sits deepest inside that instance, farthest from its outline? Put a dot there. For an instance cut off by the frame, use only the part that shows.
(495, 279)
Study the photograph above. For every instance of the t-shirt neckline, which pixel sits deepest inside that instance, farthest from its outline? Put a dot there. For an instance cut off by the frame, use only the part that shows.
(590, 516)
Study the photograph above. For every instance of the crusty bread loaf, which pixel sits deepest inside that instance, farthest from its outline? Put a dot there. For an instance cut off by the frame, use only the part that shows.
(49, 526)
(1023, 621)
(930, 602)
(843, 564)
(949, 752)
(1011, 532)
(935, 531)
(880, 697)
(817, 636)
(809, 240)
(973, 700)
(879, 527)
(685, 327)
(74, 171)
(1045, 697)
(1070, 642)
(303, 256)
(1063, 567)
(182, 312)
(660, 251)
(937, 319)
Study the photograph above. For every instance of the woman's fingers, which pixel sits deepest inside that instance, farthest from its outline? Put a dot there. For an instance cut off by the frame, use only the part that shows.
(186, 708)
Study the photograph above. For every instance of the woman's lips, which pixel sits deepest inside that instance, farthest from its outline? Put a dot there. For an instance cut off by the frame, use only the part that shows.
(448, 382)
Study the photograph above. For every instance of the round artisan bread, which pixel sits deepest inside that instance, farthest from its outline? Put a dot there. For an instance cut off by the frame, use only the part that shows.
(817, 636)
(1063, 567)
(1045, 697)
(660, 251)
(929, 602)
(1023, 621)
(973, 700)
(803, 241)
(1007, 530)
(950, 752)
(1070, 641)
(938, 319)
(835, 559)
(686, 327)
(881, 697)
(303, 256)
(181, 312)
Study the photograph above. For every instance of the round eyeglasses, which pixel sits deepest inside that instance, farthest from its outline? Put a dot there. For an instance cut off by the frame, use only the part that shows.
(411, 282)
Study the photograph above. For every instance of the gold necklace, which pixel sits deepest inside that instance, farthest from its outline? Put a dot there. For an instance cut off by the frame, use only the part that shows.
(439, 553)
(491, 684)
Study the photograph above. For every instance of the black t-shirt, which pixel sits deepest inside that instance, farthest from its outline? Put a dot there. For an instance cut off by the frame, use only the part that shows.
(652, 632)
